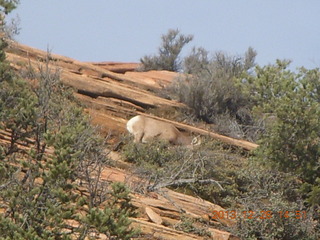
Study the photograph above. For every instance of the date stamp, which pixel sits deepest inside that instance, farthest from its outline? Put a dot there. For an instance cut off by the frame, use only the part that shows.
(263, 214)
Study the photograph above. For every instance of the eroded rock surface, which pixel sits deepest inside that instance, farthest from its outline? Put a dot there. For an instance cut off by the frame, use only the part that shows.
(112, 93)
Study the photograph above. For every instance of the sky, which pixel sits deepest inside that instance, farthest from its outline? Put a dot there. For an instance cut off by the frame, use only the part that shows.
(127, 30)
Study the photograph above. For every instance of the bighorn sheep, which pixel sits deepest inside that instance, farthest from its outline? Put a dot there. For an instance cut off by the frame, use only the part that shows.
(145, 129)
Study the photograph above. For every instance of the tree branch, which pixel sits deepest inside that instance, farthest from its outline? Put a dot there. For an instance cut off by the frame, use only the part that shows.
(184, 181)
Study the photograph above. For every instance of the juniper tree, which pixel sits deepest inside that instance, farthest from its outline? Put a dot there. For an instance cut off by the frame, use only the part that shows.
(291, 143)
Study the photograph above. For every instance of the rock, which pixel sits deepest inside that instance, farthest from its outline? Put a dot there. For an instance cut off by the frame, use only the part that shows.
(113, 92)
(117, 67)
(154, 217)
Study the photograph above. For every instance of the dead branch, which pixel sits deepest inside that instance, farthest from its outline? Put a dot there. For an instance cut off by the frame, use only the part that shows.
(180, 182)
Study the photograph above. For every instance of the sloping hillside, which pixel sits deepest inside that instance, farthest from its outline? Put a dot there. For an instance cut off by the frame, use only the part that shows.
(112, 93)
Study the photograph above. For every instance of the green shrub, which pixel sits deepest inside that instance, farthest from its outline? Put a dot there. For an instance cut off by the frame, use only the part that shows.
(114, 220)
(268, 202)
(52, 148)
(291, 143)
(207, 171)
(168, 57)
(187, 225)
(155, 160)
(39, 184)
(269, 84)
(280, 220)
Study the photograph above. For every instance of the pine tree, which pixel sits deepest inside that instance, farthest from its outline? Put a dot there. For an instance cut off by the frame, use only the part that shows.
(114, 220)
(292, 143)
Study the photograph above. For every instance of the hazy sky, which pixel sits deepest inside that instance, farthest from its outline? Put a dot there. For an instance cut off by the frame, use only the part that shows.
(126, 30)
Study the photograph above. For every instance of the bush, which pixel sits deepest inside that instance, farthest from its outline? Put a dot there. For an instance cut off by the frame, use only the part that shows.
(52, 148)
(168, 57)
(157, 162)
(279, 220)
(269, 201)
(211, 89)
(187, 225)
(207, 171)
(291, 143)
(114, 220)
(238, 184)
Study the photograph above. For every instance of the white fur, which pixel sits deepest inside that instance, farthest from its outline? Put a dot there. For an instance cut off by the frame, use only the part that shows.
(145, 129)
(131, 122)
